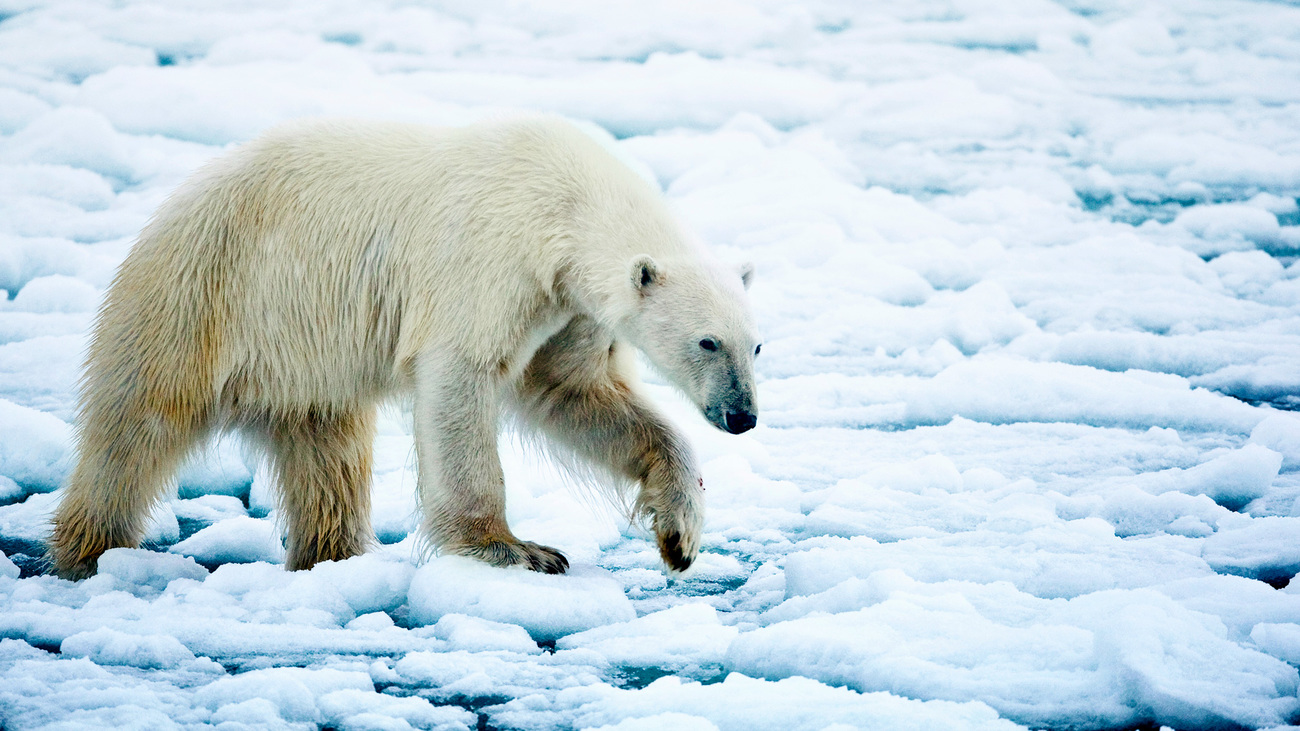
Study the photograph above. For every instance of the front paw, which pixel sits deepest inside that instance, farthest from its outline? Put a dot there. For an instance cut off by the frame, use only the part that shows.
(678, 533)
(532, 556)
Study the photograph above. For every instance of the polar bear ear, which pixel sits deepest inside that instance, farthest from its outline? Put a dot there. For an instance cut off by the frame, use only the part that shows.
(747, 274)
(645, 273)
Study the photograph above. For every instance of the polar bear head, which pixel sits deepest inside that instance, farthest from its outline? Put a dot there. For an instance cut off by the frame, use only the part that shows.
(692, 320)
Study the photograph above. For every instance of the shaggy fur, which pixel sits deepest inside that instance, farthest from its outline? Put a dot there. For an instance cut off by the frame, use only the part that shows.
(295, 283)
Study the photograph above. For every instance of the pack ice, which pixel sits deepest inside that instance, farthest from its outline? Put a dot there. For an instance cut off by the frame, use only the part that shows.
(1027, 456)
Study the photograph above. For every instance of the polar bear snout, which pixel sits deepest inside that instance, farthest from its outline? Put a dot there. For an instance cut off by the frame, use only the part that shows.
(739, 422)
(735, 413)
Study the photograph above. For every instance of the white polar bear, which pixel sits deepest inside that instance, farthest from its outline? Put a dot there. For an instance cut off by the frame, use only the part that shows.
(293, 284)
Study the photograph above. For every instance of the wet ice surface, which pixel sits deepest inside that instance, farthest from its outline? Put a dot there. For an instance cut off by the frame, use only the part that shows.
(1031, 306)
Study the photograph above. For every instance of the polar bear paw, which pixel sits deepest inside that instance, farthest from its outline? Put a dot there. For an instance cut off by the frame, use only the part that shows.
(532, 556)
(678, 535)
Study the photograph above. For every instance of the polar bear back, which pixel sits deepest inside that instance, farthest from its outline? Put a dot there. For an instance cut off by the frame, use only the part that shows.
(337, 251)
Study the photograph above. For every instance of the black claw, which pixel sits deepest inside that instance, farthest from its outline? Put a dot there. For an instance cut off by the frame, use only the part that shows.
(682, 563)
(552, 562)
(672, 542)
(671, 549)
(545, 559)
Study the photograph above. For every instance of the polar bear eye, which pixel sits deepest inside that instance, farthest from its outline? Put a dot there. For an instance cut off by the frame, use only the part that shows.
(758, 348)
(709, 344)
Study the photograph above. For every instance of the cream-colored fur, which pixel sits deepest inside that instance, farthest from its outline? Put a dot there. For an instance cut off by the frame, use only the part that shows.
(296, 282)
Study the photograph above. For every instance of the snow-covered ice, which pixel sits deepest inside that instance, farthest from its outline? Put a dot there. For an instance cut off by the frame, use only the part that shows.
(1028, 453)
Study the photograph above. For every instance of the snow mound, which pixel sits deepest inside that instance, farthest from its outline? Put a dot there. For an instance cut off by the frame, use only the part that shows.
(234, 540)
(547, 606)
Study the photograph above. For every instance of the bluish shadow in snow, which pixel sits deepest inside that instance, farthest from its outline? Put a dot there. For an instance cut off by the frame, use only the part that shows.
(1013, 47)
(706, 587)
(835, 27)
(1290, 218)
(190, 526)
(642, 56)
(635, 678)
(347, 38)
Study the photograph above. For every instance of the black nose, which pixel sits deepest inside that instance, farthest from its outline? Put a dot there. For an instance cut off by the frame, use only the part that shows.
(739, 422)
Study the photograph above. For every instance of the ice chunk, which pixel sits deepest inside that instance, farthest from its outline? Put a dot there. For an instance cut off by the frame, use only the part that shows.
(659, 721)
(8, 569)
(34, 447)
(77, 186)
(688, 636)
(474, 634)
(41, 373)
(1234, 226)
(369, 582)
(234, 540)
(1279, 640)
(98, 148)
(1280, 433)
(1247, 273)
(1272, 378)
(137, 567)
(209, 508)
(52, 47)
(547, 606)
(30, 519)
(740, 703)
(17, 109)
(10, 491)
(109, 647)
(292, 691)
(56, 293)
(252, 713)
(1231, 479)
(1238, 602)
(449, 676)
(394, 513)
(351, 708)
(1265, 548)
(1114, 655)
(1022, 545)
(1000, 391)
(372, 622)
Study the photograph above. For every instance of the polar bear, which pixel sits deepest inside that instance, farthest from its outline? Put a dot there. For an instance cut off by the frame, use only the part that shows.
(498, 269)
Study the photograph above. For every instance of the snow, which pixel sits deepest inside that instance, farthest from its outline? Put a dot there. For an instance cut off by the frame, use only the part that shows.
(547, 606)
(234, 540)
(1029, 284)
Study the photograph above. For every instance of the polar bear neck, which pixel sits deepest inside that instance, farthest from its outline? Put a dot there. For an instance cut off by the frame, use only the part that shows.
(611, 218)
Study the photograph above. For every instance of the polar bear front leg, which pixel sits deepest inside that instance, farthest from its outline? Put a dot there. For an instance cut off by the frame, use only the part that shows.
(461, 485)
(576, 391)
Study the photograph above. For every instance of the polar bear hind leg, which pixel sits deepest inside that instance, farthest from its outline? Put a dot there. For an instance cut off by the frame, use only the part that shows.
(129, 449)
(321, 459)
